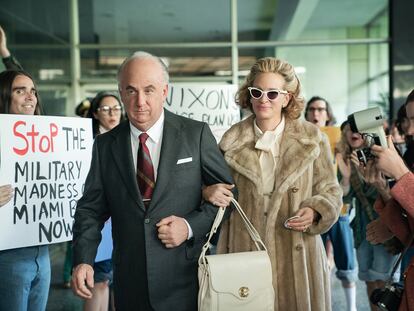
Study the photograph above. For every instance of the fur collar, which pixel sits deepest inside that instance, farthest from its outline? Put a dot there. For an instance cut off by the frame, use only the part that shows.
(299, 148)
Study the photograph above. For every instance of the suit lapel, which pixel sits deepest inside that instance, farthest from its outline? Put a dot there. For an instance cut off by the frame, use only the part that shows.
(168, 155)
(121, 151)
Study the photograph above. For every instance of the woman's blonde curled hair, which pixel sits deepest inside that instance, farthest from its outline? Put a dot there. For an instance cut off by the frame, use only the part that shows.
(343, 146)
(292, 85)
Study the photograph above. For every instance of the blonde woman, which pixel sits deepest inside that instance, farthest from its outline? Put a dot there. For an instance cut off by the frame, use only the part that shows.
(283, 170)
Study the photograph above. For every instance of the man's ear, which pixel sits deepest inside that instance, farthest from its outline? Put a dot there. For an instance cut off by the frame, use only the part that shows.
(165, 91)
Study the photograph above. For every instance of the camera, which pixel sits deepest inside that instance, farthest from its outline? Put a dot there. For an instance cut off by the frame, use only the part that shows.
(387, 298)
(369, 123)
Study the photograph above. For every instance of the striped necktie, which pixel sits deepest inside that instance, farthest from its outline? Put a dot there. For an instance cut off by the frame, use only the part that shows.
(145, 170)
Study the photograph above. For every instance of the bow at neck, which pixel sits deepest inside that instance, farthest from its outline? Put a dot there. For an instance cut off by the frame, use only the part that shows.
(269, 140)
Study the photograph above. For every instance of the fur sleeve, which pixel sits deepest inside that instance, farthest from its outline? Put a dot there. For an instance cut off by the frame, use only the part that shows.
(326, 193)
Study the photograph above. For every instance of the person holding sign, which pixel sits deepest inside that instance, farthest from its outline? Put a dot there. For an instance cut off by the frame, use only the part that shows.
(287, 186)
(25, 272)
(147, 174)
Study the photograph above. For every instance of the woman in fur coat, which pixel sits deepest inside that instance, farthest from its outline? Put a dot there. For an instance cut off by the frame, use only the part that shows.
(283, 170)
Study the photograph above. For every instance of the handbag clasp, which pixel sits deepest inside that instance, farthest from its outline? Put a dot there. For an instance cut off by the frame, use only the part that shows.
(243, 292)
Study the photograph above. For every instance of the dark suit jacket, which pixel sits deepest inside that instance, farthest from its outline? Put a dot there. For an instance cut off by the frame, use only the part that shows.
(145, 272)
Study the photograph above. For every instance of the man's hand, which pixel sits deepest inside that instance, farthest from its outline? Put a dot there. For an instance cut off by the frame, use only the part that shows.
(4, 52)
(82, 280)
(6, 194)
(378, 232)
(172, 231)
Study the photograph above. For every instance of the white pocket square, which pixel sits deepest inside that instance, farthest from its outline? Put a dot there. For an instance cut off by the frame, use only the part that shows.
(185, 160)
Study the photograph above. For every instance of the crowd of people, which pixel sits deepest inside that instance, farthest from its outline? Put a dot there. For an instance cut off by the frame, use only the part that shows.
(159, 179)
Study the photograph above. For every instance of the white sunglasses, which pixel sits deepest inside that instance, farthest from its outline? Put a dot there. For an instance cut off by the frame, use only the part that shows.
(257, 93)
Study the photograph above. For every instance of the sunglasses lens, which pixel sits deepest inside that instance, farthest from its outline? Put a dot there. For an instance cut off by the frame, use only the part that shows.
(272, 94)
(256, 93)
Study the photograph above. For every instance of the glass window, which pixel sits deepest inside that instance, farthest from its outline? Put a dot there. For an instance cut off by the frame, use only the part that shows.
(350, 77)
(53, 101)
(162, 21)
(35, 21)
(182, 63)
(45, 65)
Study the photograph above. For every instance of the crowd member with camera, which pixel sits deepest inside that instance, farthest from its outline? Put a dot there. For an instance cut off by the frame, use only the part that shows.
(403, 125)
(283, 169)
(395, 206)
(374, 261)
(338, 240)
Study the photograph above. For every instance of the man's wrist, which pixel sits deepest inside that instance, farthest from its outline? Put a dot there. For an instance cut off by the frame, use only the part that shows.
(190, 231)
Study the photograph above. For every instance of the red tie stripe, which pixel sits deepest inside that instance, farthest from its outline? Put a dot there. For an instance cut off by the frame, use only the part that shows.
(145, 169)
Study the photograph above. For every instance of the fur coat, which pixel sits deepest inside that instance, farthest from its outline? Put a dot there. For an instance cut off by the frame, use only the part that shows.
(304, 177)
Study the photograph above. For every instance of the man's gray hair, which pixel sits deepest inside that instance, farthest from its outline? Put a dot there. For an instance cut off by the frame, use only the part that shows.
(142, 54)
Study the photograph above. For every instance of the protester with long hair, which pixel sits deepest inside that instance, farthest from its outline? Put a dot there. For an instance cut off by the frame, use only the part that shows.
(25, 271)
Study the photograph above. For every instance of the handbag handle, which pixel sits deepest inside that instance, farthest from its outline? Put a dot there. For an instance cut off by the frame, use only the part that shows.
(397, 263)
(217, 221)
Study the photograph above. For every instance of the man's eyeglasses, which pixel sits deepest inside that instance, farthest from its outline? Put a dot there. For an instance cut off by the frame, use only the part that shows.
(318, 109)
(271, 94)
(107, 110)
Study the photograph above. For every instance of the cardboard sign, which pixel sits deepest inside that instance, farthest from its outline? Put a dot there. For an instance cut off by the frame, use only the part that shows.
(213, 104)
(46, 160)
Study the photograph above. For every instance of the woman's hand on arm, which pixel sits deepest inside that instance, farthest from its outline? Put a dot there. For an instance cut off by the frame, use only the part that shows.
(6, 194)
(219, 195)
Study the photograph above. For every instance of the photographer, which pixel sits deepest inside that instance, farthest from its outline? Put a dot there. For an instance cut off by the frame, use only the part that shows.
(374, 261)
(395, 206)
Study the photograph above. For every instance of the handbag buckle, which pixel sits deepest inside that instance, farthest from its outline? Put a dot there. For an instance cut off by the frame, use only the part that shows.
(243, 292)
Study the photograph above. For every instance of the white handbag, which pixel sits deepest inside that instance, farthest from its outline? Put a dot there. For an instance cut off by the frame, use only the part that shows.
(236, 281)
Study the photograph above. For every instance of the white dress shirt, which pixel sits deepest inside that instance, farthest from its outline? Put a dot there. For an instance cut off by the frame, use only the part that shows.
(153, 143)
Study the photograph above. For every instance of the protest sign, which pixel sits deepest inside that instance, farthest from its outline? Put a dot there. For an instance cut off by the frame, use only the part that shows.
(213, 104)
(46, 160)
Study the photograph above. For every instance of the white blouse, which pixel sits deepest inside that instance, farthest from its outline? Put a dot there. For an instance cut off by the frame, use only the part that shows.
(269, 143)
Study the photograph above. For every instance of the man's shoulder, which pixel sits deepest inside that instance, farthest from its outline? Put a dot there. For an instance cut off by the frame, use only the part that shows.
(121, 129)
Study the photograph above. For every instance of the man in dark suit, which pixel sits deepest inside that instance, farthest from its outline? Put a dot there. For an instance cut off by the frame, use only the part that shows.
(157, 235)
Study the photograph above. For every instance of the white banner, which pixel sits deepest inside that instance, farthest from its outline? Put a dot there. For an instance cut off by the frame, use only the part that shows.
(213, 104)
(46, 160)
